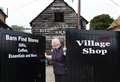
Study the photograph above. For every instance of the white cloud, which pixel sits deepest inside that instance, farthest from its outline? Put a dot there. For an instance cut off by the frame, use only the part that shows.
(21, 12)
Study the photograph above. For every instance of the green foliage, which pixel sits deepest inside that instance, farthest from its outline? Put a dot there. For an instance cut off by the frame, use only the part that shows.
(101, 22)
(18, 28)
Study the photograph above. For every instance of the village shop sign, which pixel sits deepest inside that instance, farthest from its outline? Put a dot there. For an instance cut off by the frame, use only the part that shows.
(92, 43)
(92, 56)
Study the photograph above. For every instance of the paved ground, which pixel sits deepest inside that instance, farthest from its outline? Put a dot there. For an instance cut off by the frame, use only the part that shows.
(49, 74)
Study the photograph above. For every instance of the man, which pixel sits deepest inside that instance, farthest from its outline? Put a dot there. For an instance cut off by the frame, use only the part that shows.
(58, 58)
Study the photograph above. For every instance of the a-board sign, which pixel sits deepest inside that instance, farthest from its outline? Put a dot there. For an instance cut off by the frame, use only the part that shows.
(21, 57)
(93, 56)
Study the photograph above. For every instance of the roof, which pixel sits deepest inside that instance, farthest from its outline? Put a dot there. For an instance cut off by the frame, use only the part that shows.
(49, 6)
(84, 19)
(3, 12)
(4, 26)
(115, 24)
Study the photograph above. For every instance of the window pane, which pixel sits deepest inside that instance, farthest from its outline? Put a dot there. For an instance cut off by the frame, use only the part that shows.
(59, 17)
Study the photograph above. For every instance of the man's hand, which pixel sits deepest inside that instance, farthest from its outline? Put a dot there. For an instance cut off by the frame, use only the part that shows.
(48, 56)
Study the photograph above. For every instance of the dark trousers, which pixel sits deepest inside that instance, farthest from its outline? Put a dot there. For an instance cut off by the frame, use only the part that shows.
(59, 78)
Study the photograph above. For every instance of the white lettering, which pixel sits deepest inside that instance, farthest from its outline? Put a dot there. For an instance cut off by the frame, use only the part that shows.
(23, 39)
(16, 56)
(93, 51)
(22, 50)
(85, 51)
(79, 42)
(33, 40)
(22, 45)
(93, 43)
(11, 38)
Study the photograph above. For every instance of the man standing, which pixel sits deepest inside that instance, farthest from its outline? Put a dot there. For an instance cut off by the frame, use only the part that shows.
(58, 58)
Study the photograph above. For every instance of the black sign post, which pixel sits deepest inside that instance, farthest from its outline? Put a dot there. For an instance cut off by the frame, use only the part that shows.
(21, 57)
(93, 56)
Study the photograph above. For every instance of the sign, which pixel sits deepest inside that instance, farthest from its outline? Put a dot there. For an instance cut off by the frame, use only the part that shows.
(21, 57)
(92, 56)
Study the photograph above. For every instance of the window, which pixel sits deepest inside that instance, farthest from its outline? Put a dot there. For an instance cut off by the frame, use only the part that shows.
(59, 17)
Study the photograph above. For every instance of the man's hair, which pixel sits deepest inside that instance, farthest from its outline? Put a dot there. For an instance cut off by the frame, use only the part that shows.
(56, 41)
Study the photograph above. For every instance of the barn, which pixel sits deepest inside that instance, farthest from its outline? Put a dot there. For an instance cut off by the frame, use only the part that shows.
(53, 20)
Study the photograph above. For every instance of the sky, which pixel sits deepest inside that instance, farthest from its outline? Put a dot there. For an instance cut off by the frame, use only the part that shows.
(21, 12)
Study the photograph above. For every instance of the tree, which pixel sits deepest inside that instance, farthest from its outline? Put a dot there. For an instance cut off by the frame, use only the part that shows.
(101, 22)
(18, 28)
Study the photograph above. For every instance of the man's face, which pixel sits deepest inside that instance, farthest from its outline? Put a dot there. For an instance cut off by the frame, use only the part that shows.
(55, 45)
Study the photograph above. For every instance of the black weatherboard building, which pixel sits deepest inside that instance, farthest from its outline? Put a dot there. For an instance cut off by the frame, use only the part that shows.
(54, 19)
(21, 57)
(92, 56)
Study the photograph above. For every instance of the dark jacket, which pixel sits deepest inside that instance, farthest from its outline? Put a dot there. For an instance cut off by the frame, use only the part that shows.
(58, 61)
